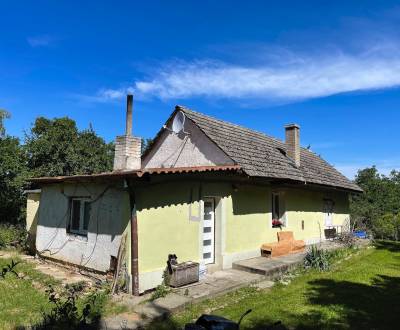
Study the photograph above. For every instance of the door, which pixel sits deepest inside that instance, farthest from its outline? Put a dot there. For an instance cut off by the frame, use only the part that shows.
(209, 231)
(328, 211)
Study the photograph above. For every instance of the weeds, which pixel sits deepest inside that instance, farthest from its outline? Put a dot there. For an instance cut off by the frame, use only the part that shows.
(317, 258)
(71, 312)
(9, 268)
(12, 236)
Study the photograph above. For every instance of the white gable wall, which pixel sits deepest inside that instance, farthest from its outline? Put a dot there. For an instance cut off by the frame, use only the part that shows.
(185, 150)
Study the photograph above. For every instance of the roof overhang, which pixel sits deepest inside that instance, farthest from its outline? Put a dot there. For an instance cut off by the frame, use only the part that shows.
(135, 174)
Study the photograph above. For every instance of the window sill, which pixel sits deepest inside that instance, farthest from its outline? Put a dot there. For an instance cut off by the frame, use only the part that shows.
(78, 237)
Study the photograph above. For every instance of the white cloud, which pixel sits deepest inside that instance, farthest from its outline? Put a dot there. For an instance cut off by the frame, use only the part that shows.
(301, 77)
(40, 40)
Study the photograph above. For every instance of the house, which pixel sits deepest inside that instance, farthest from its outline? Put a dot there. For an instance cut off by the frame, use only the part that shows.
(205, 190)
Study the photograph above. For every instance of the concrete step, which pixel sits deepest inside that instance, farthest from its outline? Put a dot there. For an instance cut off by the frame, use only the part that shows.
(271, 268)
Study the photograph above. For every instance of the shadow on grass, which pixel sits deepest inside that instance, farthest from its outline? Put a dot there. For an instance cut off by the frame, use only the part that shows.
(339, 304)
(387, 245)
(350, 306)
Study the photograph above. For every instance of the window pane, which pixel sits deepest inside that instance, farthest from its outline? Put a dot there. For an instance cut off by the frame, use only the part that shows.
(275, 207)
(76, 214)
(86, 217)
(207, 255)
(207, 230)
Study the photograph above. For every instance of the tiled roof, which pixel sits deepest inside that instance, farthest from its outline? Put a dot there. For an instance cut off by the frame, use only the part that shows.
(262, 156)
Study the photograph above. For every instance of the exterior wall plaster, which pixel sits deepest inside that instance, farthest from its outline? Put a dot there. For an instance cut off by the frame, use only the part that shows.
(108, 220)
(182, 150)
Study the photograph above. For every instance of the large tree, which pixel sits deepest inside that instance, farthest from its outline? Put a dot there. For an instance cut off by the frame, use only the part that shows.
(56, 147)
(13, 173)
(379, 207)
(3, 115)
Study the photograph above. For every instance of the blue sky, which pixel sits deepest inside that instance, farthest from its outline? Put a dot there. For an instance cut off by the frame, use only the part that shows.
(331, 66)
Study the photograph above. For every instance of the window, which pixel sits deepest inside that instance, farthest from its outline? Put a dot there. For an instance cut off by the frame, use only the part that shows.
(278, 214)
(80, 216)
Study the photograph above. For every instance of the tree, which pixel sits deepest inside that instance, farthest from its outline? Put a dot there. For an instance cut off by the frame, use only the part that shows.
(56, 147)
(378, 208)
(146, 144)
(13, 173)
(3, 115)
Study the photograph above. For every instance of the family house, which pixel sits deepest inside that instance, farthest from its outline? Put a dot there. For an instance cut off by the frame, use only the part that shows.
(205, 190)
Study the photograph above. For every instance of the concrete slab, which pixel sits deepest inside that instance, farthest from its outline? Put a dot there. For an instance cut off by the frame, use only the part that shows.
(271, 268)
(218, 283)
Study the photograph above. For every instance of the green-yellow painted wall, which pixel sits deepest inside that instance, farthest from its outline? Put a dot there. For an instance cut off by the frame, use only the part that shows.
(164, 226)
(32, 214)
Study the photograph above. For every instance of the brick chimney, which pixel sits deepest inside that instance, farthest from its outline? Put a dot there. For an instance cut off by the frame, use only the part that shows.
(128, 147)
(292, 133)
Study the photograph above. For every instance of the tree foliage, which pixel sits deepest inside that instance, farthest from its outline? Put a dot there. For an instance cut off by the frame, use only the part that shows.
(3, 115)
(378, 209)
(56, 147)
(13, 173)
(52, 147)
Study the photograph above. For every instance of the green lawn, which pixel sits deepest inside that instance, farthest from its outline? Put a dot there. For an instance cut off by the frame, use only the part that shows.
(22, 299)
(359, 292)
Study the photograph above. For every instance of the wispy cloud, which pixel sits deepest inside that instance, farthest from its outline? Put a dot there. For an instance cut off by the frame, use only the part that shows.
(289, 77)
(40, 40)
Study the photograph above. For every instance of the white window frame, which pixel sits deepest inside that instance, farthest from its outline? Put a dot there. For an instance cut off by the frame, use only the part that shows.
(81, 231)
(282, 209)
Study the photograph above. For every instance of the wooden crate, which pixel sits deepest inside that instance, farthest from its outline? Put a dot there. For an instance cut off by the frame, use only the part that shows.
(184, 273)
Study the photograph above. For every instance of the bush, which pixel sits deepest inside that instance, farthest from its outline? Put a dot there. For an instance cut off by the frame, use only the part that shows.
(347, 239)
(387, 227)
(12, 236)
(70, 312)
(317, 258)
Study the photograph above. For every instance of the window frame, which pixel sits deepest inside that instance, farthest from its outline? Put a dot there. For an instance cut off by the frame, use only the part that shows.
(282, 209)
(83, 202)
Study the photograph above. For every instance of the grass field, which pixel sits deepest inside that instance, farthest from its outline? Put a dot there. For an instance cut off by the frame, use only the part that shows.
(23, 299)
(359, 292)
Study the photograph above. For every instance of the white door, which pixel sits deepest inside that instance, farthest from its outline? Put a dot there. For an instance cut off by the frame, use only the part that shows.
(328, 210)
(208, 231)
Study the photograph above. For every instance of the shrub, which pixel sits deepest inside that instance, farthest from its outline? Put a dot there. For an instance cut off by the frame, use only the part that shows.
(387, 227)
(12, 236)
(317, 258)
(347, 239)
(69, 312)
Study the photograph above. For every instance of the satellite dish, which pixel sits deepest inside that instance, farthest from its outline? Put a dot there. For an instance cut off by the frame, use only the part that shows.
(178, 123)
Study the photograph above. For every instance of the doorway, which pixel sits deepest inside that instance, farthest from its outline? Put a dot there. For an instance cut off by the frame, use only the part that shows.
(208, 243)
(328, 212)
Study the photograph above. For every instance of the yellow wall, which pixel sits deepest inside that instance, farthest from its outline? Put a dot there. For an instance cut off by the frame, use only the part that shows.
(164, 226)
(249, 223)
(32, 213)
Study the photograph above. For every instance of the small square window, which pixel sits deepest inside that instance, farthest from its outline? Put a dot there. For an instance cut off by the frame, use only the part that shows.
(80, 210)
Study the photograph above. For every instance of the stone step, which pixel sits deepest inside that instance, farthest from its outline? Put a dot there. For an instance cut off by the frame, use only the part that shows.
(270, 268)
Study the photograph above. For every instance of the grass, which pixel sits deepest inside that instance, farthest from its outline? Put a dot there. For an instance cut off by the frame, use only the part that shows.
(360, 291)
(22, 299)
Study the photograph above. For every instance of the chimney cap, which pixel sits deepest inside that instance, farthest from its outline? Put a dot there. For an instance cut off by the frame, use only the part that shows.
(293, 125)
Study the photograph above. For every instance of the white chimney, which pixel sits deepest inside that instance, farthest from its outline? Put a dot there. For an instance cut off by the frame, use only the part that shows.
(292, 133)
(128, 147)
